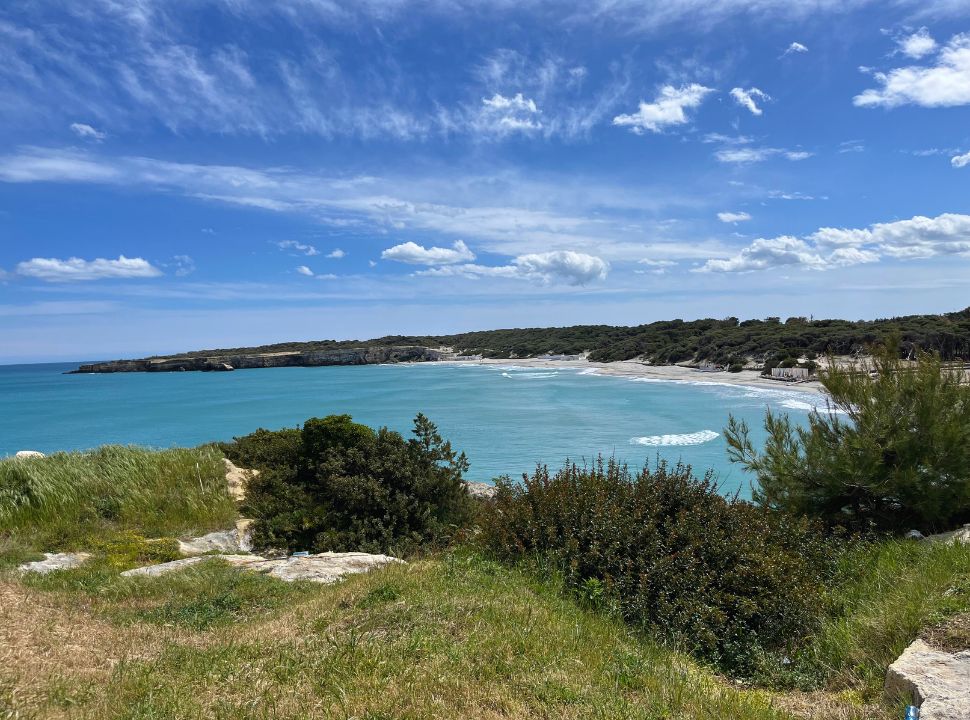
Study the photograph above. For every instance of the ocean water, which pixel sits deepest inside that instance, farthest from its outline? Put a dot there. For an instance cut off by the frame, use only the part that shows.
(506, 418)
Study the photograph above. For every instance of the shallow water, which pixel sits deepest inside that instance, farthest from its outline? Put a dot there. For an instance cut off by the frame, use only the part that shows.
(506, 418)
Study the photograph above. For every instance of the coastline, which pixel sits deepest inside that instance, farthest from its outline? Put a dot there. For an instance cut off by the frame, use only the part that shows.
(661, 373)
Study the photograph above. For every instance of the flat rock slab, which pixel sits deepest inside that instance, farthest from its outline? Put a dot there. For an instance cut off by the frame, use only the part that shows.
(938, 681)
(56, 561)
(174, 565)
(229, 542)
(322, 568)
(961, 535)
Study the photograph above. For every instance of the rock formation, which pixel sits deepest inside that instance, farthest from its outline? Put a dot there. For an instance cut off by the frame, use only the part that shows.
(937, 681)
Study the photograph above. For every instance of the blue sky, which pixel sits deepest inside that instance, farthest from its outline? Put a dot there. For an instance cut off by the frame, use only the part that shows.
(213, 173)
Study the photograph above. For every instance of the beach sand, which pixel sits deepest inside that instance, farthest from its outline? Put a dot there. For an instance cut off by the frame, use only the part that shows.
(669, 373)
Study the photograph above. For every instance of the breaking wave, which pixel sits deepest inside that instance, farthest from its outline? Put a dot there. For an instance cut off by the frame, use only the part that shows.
(697, 438)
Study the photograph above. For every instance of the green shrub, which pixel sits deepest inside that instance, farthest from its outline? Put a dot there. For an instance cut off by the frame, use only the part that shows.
(900, 459)
(729, 581)
(341, 486)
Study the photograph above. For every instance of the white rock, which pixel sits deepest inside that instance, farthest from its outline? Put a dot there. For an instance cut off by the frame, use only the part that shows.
(26, 454)
(324, 567)
(480, 489)
(960, 535)
(56, 561)
(174, 565)
(937, 681)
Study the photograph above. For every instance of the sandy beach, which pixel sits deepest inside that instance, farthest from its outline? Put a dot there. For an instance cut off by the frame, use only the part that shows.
(669, 373)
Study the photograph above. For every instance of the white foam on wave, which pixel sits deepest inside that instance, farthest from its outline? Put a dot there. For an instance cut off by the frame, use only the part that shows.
(530, 375)
(696, 438)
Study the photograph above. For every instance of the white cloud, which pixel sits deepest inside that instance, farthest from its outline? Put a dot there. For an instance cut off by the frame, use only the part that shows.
(336, 254)
(560, 266)
(297, 247)
(959, 161)
(733, 217)
(852, 146)
(745, 155)
(746, 98)
(87, 132)
(504, 115)
(415, 254)
(304, 270)
(795, 47)
(828, 248)
(918, 44)
(55, 270)
(667, 109)
(943, 84)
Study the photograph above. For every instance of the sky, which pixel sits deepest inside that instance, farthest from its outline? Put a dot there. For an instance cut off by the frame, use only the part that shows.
(185, 174)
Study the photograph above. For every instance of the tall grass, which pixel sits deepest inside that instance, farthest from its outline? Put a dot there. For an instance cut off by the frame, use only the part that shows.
(64, 501)
(890, 591)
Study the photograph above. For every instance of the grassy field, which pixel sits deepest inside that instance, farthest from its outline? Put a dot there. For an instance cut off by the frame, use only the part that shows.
(449, 635)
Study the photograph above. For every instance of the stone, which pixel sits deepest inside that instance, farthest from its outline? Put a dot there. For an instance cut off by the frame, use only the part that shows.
(323, 568)
(937, 681)
(915, 535)
(56, 561)
(959, 535)
(174, 565)
(27, 454)
(236, 479)
(237, 540)
(480, 489)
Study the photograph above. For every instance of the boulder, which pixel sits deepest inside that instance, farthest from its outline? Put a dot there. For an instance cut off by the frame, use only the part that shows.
(238, 540)
(323, 568)
(56, 561)
(959, 535)
(937, 681)
(26, 454)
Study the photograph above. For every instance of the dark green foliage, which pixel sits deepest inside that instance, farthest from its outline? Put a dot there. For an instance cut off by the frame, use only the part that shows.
(341, 486)
(675, 341)
(899, 459)
(728, 580)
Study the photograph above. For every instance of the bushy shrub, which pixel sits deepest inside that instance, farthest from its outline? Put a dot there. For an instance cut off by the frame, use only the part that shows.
(341, 486)
(728, 580)
(892, 454)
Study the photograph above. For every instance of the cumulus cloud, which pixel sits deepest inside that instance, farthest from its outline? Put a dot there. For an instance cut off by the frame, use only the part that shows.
(304, 270)
(336, 254)
(414, 254)
(946, 83)
(959, 161)
(560, 266)
(828, 248)
(733, 217)
(795, 47)
(669, 108)
(298, 247)
(918, 44)
(76, 269)
(747, 98)
(745, 155)
(86, 132)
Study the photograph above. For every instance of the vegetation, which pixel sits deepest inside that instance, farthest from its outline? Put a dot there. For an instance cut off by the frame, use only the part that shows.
(725, 341)
(718, 576)
(70, 500)
(900, 459)
(338, 485)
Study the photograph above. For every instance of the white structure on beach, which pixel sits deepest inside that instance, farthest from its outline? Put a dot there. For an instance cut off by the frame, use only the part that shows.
(792, 373)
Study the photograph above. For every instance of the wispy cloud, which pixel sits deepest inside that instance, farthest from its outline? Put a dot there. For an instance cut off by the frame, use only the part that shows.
(733, 217)
(297, 247)
(86, 132)
(747, 98)
(795, 48)
(746, 155)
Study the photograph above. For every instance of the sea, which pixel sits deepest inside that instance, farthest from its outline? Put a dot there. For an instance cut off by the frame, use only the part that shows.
(506, 418)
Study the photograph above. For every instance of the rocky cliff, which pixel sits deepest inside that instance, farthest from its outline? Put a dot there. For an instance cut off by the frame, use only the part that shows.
(238, 361)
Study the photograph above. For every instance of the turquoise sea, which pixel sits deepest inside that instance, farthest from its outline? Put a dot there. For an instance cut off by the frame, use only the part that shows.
(506, 418)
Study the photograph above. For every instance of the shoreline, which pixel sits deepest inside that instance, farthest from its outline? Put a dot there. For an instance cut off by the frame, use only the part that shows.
(662, 373)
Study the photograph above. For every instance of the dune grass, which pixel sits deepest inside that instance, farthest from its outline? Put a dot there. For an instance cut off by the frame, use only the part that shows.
(890, 592)
(67, 501)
